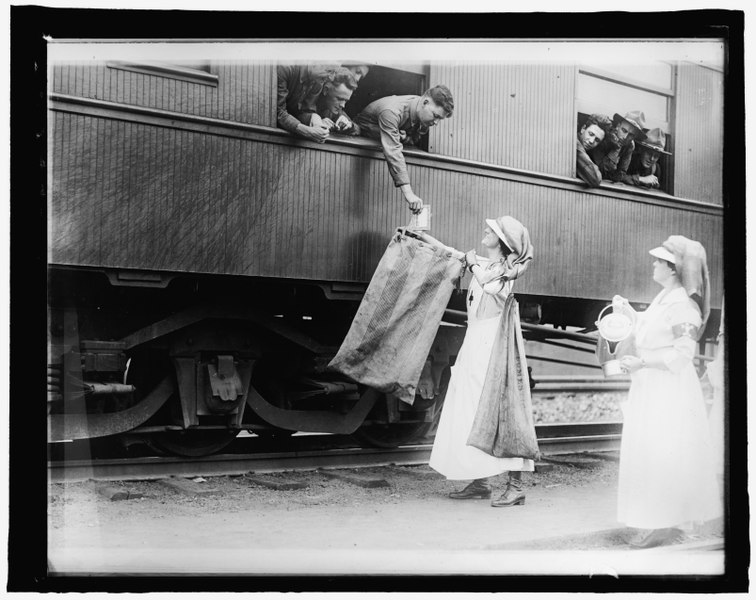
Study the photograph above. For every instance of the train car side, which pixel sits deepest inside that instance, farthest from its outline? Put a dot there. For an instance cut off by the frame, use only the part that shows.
(224, 259)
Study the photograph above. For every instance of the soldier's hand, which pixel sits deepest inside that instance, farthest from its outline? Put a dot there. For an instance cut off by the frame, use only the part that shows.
(317, 134)
(343, 123)
(415, 203)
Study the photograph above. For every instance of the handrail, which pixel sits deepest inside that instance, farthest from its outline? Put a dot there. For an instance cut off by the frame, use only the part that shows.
(545, 329)
(553, 332)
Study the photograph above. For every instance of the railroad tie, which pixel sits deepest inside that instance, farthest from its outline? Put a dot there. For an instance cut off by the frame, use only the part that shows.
(274, 484)
(187, 487)
(114, 493)
(366, 482)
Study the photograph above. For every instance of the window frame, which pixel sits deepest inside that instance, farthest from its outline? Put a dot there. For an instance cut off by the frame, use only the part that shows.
(171, 71)
(420, 74)
(667, 186)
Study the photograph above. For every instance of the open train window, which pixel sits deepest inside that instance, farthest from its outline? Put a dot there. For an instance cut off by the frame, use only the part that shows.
(194, 71)
(664, 164)
(625, 88)
(382, 81)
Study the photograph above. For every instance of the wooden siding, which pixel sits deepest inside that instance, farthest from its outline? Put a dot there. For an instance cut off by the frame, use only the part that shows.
(137, 196)
(245, 92)
(586, 245)
(699, 134)
(521, 116)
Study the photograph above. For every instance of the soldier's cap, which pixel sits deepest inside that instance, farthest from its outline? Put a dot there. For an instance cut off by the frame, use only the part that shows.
(637, 119)
(655, 140)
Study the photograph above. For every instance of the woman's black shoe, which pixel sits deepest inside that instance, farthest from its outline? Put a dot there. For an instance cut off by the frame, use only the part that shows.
(476, 490)
(511, 497)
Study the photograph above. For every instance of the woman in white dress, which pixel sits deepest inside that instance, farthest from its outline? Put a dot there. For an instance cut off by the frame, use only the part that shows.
(508, 253)
(667, 466)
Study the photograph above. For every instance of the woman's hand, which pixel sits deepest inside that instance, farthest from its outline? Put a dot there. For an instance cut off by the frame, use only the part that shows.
(620, 305)
(471, 258)
(630, 364)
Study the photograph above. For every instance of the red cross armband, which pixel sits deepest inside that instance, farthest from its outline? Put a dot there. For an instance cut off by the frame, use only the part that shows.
(685, 330)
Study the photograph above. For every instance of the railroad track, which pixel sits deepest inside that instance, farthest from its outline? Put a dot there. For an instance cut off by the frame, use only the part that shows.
(579, 384)
(553, 440)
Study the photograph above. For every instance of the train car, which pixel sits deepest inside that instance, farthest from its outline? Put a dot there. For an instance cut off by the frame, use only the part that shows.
(205, 265)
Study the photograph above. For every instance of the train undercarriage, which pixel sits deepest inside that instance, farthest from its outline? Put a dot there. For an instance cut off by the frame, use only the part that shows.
(123, 363)
(184, 364)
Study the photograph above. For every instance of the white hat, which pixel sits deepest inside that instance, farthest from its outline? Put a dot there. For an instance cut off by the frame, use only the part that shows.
(497, 230)
(663, 253)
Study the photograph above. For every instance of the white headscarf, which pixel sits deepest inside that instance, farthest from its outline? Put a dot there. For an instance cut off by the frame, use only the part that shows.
(690, 264)
(516, 237)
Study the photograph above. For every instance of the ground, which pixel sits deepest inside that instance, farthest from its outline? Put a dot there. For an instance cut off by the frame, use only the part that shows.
(335, 525)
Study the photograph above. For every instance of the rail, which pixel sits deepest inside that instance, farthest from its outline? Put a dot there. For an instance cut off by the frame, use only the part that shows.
(579, 383)
(553, 439)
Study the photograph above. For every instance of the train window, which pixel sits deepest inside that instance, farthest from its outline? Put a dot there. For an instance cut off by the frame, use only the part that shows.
(382, 81)
(624, 88)
(658, 74)
(664, 166)
(597, 95)
(195, 72)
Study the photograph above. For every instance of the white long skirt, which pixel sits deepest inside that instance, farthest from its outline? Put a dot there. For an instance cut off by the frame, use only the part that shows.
(451, 456)
(667, 461)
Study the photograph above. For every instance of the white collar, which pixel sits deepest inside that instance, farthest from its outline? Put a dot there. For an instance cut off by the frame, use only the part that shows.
(674, 295)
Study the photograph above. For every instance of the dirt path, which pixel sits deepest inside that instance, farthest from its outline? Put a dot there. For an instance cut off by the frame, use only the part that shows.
(409, 525)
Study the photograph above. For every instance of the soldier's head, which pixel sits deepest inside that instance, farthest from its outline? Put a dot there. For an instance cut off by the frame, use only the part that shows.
(337, 90)
(652, 147)
(358, 70)
(435, 105)
(594, 129)
(627, 128)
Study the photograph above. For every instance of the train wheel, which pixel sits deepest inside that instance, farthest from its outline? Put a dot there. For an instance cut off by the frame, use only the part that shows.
(395, 434)
(391, 435)
(192, 443)
(145, 370)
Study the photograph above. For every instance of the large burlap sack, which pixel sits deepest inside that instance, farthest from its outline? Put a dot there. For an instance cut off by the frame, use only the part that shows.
(504, 425)
(396, 323)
